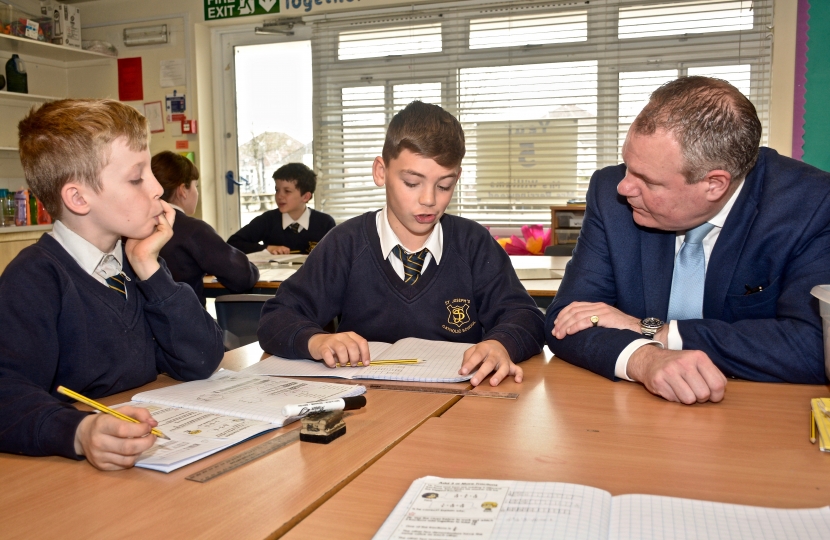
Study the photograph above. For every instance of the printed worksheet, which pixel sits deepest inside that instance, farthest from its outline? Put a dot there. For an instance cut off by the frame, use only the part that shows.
(439, 362)
(193, 435)
(246, 396)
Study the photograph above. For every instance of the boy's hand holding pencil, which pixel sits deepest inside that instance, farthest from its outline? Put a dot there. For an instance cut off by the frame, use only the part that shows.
(109, 442)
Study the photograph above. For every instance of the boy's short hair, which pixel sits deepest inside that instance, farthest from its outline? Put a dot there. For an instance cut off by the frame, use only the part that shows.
(305, 178)
(69, 139)
(426, 130)
(173, 170)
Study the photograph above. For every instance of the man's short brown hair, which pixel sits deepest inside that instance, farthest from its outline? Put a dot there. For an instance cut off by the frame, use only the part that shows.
(70, 140)
(716, 125)
(426, 130)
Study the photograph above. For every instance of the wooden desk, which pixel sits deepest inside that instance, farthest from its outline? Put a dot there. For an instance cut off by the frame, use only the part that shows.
(570, 425)
(55, 497)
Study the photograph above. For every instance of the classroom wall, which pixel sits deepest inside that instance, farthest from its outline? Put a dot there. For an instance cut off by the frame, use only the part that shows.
(191, 39)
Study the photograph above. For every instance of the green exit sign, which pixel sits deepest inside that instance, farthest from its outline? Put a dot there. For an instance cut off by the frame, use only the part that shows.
(229, 9)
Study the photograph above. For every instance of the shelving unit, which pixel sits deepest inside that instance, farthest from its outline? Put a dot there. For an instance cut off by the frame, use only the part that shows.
(54, 72)
(566, 222)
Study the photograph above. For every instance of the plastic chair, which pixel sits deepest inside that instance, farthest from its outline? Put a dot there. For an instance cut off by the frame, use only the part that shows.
(238, 317)
(563, 250)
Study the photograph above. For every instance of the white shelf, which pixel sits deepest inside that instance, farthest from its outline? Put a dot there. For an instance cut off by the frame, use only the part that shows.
(60, 53)
(33, 98)
(9, 149)
(25, 228)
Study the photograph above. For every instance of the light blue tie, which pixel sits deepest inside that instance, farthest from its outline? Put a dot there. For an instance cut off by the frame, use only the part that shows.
(689, 277)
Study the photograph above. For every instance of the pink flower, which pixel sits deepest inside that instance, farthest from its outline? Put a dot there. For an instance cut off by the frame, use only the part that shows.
(536, 239)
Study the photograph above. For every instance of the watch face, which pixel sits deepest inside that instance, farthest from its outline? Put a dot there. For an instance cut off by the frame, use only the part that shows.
(651, 322)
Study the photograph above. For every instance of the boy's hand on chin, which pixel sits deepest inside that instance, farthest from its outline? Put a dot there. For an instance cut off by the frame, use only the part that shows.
(143, 254)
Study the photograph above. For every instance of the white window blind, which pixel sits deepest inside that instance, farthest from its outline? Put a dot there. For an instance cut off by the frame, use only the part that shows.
(545, 91)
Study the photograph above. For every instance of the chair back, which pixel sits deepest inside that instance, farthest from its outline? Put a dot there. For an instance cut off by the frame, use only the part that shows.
(238, 317)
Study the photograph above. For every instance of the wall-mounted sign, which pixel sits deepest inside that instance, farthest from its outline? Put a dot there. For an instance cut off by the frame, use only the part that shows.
(229, 9)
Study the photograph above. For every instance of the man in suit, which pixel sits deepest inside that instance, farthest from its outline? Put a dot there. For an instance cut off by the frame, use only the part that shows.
(702, 229)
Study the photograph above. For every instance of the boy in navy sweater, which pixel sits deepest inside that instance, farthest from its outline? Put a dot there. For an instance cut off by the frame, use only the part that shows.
(91, 306)
(409, 270)
(293, 227)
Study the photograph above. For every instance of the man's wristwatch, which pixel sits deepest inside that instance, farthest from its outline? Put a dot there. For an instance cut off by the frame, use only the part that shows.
(650, 325)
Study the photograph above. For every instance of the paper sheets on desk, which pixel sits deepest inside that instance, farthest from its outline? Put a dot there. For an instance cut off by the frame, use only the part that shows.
(265, 256)
(447, 508)
(204, 417)
(441, 361)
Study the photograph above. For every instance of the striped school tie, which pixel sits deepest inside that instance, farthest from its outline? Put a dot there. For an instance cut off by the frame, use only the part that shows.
(295, 227)
(118, 282)
(412, 263)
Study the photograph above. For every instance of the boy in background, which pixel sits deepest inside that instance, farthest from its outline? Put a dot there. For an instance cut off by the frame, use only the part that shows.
(409, 270)
(196, 249)
(293, 227)
(91, 306)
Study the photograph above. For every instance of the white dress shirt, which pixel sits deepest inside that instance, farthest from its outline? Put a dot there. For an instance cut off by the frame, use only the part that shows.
(675, 341)
(303, 220)
(92, 260)
(388, 241)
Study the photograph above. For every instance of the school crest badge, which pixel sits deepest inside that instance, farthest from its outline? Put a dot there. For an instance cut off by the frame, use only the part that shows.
(458, 316)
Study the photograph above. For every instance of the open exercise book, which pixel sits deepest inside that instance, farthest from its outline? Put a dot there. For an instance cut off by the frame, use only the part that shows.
(440, 362)
(204, 417)
(266, 256)
(438, 508)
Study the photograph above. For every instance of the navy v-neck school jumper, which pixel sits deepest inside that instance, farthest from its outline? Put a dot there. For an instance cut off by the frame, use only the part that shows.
(63, 327)
(266, 230)
(473, 295)
(196, 250)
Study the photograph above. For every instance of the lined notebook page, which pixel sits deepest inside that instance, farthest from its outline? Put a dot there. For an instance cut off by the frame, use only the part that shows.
(441, 362)
(243, 396)
(650, 517)
(530, 511)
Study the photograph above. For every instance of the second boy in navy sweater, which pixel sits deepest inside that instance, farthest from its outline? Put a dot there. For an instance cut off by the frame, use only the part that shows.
(293, 227)
(409, 270)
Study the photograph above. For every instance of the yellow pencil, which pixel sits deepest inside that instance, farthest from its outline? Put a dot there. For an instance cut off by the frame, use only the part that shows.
(384, 362)
(103, 408)
(812, 427)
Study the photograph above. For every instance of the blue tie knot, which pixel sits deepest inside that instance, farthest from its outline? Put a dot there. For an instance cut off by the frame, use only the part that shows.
(696, 235)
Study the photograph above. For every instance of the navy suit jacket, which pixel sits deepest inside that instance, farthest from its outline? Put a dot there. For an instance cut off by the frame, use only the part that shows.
(777, 236)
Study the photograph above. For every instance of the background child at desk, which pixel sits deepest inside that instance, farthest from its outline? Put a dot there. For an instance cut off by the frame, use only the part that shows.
(83, 308)
(293, 227)
(196, 249)
(409, 270)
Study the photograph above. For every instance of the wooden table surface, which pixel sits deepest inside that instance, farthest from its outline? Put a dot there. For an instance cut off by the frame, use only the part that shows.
(570, 425)
(52, 497)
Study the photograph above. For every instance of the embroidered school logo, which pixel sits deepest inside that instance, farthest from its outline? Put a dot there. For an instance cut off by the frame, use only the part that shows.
(458, 316)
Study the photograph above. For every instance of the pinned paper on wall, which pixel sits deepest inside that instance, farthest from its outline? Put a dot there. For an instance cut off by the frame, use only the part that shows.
(155, 116)
(130, 79)
(175, 106)
(172, 73)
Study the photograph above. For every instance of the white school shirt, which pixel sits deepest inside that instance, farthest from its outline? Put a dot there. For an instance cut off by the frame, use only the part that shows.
(92, 260)
(674, 339)
(388, 241)
(303, 220)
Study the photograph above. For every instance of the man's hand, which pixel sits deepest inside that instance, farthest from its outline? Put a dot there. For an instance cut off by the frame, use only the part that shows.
(111, 444)
(684, 376)
(576, 317)
(341, 348)
(278, 250)
(490, 356)
(143, 253)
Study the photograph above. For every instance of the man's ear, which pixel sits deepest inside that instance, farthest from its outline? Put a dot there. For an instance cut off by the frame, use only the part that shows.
(379, 172)
(73, 195)
(718, 183)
